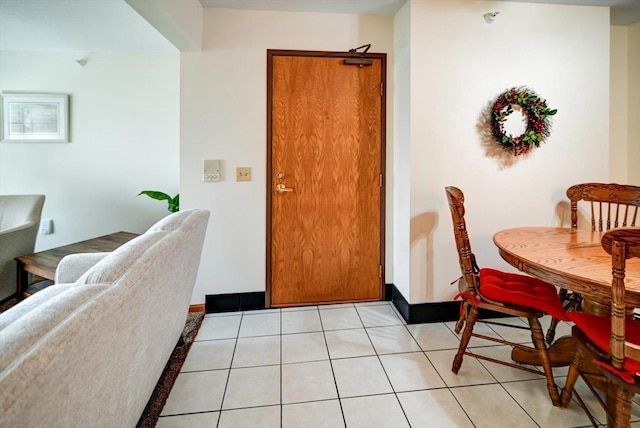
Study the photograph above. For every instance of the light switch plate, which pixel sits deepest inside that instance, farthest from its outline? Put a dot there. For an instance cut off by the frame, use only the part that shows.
(211, 170)
(243, 173)
(46, 226)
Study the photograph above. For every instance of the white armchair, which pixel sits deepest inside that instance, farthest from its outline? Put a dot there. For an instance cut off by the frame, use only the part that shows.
(19, 223)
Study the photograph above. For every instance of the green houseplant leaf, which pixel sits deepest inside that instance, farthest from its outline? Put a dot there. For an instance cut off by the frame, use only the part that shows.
(173, 203)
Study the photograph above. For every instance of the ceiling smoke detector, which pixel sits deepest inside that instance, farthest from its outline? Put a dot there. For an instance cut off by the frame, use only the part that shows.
(490, 16)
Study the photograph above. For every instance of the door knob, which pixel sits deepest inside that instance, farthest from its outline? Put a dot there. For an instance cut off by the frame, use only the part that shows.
(281, 188)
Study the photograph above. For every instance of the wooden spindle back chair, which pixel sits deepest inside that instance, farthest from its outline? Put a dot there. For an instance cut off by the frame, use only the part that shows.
(613, 341)
(507, 293)
(610, 205)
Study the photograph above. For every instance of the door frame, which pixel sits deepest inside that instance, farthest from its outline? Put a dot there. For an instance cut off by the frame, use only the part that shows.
(383, 138)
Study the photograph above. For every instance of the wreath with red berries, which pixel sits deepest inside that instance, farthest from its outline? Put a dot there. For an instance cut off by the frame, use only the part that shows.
(536, 112)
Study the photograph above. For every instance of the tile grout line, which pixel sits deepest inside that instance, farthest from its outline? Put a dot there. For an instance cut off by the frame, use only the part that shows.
(426, 356)
(449, 388)
(484, 367)
(281, 374)
(224, 393)
(333, 373)
(393, 390)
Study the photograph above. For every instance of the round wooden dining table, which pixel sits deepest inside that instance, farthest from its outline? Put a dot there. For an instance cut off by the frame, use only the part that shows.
(575, 260)
(568, 258)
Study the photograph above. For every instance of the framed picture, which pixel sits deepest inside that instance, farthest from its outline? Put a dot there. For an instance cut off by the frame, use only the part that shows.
(30, 117)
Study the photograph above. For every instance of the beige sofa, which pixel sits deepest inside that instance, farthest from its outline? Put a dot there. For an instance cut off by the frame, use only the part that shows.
(88, 352)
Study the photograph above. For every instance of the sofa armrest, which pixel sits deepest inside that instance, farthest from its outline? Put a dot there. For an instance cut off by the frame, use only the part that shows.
(73, 266)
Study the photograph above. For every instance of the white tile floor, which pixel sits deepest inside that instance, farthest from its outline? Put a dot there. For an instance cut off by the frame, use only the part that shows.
(356, 366)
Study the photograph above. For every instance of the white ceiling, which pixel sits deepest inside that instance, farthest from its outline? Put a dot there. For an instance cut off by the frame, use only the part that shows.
(77, 25)
(358, 7)
(623, 12)
(113, 26)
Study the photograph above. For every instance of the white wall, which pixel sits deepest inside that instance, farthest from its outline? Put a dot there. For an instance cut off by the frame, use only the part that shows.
(402, 150)
(634, 104)
(625, 104)
(460, 64)
(223, 116)
(619, 86)
(124, 138)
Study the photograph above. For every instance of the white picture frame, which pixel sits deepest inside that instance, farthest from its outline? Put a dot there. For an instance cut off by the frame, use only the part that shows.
(35, 117)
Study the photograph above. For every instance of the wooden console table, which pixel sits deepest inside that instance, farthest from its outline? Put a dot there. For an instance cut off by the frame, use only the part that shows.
(44, 263)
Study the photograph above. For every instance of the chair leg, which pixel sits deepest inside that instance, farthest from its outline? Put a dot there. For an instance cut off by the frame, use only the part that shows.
(622, 409)
(463, 315)
(538, 341)
(551, 332)
(572, 376)
(466, 336)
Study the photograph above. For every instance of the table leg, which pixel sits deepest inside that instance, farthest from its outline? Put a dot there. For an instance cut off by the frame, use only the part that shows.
(22, 281)
(561, 353)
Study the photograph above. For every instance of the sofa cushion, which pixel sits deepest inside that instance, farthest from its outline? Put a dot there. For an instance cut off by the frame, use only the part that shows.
(73, 266)
(171, 222)
(31, 304)
(113, 266)
(28, 329)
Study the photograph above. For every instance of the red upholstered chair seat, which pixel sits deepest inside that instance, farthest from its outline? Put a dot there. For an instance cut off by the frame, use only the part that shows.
(521, 290)
(598, 330)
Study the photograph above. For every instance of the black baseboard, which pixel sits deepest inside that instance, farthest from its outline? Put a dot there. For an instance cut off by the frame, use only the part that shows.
(234, 302)
(412, 313)
(431, 312)
(388, 291)
(424, 312)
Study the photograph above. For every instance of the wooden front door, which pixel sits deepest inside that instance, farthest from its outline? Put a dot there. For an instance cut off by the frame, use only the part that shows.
(325, 178)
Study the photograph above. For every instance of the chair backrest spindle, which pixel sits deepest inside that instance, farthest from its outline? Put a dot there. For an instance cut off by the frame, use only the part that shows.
(612, 196)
